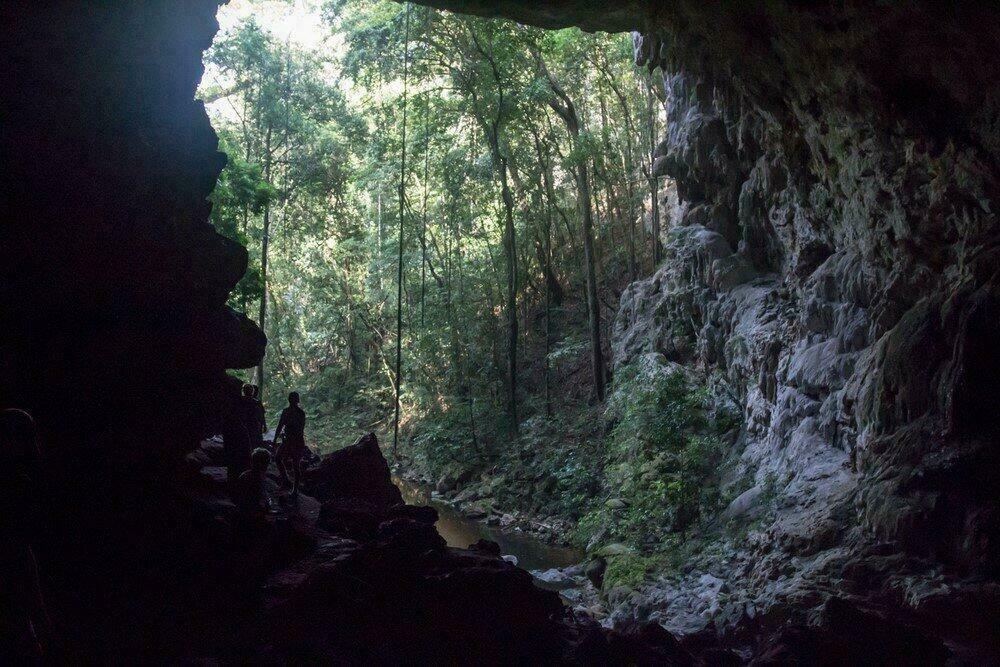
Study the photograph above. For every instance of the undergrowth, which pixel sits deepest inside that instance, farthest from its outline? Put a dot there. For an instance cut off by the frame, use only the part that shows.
(664, 454)
(641, 477)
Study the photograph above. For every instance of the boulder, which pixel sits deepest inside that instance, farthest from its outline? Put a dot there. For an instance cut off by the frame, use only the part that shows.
(487, 547)
(595, 571)
(362, 520)
(844, 634)
(647, 644)
(554, 576)
(453, 478)
(745, 504)
(346, 518)
(357, 474)
(418, 513)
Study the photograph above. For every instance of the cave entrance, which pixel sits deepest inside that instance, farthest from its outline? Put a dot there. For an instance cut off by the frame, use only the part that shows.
(308, 101)
(492, 180)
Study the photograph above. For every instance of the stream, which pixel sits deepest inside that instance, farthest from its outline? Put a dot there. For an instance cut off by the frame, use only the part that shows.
(460, 531)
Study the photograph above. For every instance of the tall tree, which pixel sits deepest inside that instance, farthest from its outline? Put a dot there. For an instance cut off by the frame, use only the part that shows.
(493, 126)
(398, 376)
(654, 182)
(563, 105)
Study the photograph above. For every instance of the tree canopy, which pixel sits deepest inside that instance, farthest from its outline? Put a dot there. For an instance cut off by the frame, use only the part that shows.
(522, 217)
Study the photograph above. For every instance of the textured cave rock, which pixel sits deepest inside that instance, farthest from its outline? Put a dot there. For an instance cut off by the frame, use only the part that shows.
(113, 287)
(831, 253)
(587, 14)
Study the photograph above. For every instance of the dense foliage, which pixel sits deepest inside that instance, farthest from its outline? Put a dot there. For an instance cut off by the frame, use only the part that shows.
(665, 449)
(495, 278)
(504, 171)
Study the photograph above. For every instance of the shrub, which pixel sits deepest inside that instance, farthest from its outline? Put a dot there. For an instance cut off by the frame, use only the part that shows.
(631, 570)
(664, 453)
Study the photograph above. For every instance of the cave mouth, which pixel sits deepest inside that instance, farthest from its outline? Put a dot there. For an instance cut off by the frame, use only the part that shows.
(495, 130)
(657, 296)
(309, 101)
(776, 441)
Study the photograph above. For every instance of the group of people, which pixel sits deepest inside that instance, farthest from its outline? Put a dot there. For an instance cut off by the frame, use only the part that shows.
(248, 455)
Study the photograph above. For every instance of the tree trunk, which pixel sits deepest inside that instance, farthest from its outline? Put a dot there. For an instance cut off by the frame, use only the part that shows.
(264, 243)
(398, 375)
(565, 109)
(632, 269)
(510, 256)
(423, 216)
(548, 304)
(654, 189)
(593, 305)
(554, 290)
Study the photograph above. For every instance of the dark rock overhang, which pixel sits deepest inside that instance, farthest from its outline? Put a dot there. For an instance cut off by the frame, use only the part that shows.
(620, 16)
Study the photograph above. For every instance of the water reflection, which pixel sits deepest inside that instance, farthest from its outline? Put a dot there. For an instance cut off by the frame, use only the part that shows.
(459, 531)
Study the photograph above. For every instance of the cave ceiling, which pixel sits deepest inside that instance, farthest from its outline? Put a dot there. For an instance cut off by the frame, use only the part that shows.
(620, 16)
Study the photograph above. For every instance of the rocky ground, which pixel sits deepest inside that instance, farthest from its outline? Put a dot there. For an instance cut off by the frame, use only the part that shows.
(350, 574)
(700, 603)
(356, 576)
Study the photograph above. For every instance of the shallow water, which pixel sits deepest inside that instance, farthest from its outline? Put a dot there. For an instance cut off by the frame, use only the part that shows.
(459, 531)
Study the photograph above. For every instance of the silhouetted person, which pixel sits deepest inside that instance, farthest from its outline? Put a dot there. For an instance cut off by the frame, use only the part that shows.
(293, 446)
(253, 417)
(250, 493)
(260, 408)
(236, 443)
(24, 621)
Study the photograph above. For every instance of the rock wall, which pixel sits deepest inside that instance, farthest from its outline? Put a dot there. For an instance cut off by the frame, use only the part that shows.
(113, 284)
(115, 333)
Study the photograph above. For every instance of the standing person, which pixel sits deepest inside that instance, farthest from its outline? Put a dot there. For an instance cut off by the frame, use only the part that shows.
(293, 423)
(253, 417)
(235, 438)
(260, 408)
(24, 621)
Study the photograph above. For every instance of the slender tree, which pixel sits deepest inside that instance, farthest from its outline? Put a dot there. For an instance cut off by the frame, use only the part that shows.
(654, 182)
(398, 375)
(265, 242)
(563, 105)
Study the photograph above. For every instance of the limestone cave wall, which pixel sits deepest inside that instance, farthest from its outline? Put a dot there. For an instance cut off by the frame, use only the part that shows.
(115, 334)
(834, 255)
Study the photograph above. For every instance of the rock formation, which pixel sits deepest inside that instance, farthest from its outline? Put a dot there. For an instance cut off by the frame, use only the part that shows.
(113, 283)
(352, 472)
(113, 287)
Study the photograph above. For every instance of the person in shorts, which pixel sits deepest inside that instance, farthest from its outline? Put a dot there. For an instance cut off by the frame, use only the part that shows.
(293, 424)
